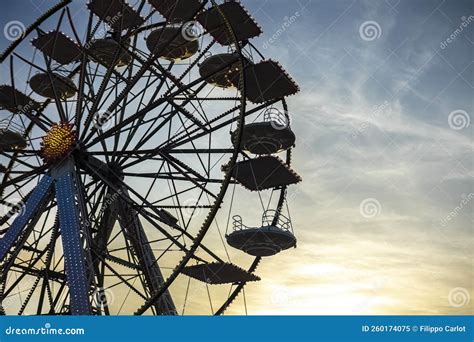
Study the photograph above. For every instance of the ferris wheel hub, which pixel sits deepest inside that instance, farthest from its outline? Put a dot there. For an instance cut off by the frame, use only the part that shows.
(58, 142)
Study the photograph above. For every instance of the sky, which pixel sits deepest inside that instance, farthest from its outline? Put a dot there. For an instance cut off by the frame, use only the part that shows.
(384, 215)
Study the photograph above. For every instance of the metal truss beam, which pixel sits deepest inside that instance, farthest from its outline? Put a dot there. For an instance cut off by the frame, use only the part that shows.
(75, 261)
(28, 210)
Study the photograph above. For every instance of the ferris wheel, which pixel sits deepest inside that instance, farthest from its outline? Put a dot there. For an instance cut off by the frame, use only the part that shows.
(129, 139)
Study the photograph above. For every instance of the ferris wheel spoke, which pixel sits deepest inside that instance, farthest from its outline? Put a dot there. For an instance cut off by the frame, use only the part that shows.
(174, 141)
(149, 216)
(169, 175)
(39, 118)
(18, 159)
(136, 126)
(120, 97)
(99, 95)
(151, 132)
(33, 173)
(29, 271)
(82, 74)
(11, 263)
(237, 290)
(108, 114)
(146, 258)
(186, 170)
(136, 154)
(106, 222)
(141, 247)
(198, 155)
(201, 245)
(47, 267)
(187, 114)
(187, 131)
(152, 98)
(139, 122)
(201, 80)
(176, 197)
(121, 190)
(185, 139)
(119, 77)
(30, 63)
(155, 151)
(122, 279)
(47, 61)
(96, 218)
(152, 60)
